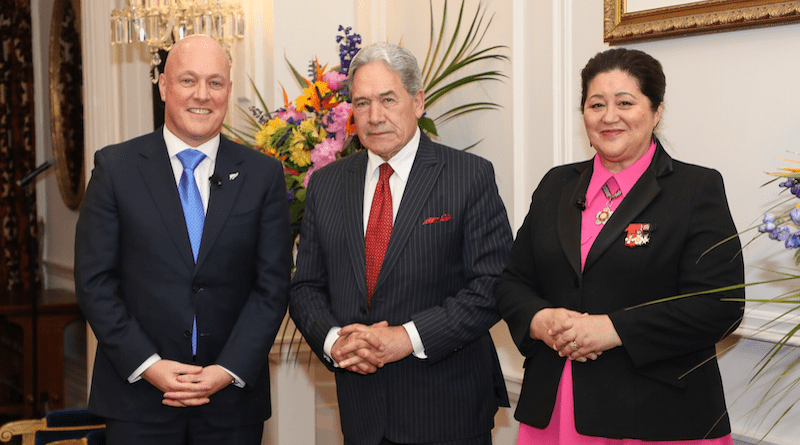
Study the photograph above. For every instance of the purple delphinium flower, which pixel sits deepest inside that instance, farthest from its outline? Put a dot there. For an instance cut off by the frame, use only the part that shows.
(348, 48)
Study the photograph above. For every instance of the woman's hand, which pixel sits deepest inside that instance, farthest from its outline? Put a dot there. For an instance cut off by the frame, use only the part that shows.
(548, 323)
(584, 337)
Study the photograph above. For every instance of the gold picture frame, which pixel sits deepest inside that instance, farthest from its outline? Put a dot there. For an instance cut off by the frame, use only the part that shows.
(66, 101)
(689, 18)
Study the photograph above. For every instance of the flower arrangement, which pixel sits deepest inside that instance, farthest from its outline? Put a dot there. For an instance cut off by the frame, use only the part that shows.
(310, 132)
(782, 224)
(778, 227)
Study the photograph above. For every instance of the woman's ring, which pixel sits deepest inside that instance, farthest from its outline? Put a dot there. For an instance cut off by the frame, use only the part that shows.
(575, 346)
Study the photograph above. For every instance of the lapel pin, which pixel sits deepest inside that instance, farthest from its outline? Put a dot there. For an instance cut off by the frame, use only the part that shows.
(638, 235)
(233, 176)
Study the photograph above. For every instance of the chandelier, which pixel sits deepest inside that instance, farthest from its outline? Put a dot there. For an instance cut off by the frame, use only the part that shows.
(161, 23)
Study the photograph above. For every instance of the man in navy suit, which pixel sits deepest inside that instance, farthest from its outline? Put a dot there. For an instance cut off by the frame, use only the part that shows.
(409, 338)
(184, 314)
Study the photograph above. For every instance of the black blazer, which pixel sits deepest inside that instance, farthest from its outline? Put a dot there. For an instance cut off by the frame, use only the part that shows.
(139, 287)
(439, 275)
(644, 389)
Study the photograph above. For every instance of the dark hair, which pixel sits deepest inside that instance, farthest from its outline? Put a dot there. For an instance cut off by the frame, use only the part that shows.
(639, 65)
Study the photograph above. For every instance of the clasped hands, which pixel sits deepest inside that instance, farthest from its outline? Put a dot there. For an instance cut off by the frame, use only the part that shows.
(364, 349)
(186, 385)
(577, 336)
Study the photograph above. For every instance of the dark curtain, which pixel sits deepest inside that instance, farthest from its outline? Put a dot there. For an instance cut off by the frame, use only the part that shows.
(17, 151)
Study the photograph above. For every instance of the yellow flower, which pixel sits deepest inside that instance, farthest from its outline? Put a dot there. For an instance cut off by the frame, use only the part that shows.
(297, 137)
(262, 137)
(276, 124)
(310, 97)
(300, 156)
(309, 128)
(266, 132)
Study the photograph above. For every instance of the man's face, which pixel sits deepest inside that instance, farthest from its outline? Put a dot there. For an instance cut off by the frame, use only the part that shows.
(385, 114)
(195, 88)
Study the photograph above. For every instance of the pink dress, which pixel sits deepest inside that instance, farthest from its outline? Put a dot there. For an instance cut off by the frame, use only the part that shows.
(561, 429)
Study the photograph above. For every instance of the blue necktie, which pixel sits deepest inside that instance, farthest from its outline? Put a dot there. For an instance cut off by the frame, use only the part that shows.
(193, 211)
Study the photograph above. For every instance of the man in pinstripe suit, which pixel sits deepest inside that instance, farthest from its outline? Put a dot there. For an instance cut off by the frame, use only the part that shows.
(414, 362)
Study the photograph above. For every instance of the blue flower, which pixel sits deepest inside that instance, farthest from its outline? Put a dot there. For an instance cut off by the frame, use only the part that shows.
(795, 216)
(782, 234)
(793, 241)
(766, 227)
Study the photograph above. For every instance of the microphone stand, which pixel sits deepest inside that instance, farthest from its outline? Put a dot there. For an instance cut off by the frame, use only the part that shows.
(33, 254)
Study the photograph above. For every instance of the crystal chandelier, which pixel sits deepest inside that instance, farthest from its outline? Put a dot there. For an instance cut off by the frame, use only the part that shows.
(161, 23)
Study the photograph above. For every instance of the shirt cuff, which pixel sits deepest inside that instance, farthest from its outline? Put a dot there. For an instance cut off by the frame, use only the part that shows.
(137, 375)
(237, 382)
(416, 340)
(330, 339)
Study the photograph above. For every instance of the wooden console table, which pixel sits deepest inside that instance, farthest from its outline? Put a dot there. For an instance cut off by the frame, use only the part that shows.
(54, 315)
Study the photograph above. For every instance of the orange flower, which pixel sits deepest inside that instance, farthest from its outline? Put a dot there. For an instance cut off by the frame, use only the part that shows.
(351, 124)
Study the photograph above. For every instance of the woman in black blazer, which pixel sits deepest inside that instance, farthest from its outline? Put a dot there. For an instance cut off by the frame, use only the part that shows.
(628, 227)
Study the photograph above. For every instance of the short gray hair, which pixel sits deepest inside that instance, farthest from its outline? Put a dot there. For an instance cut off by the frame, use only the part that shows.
(396, 57)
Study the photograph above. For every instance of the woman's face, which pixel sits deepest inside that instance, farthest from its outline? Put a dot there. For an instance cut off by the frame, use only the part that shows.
(618, 119)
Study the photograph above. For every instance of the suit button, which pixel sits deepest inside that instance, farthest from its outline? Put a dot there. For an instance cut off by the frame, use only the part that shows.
(187, 334)
(363, 310)
(196, 289)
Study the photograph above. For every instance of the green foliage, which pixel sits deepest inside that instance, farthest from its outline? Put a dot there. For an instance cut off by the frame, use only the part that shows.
(440, 73)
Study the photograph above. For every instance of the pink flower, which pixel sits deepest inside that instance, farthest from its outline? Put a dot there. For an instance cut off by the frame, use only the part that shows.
(308, 175)
(292, 113)
(323, 154)
(336, 121)
(334, 80)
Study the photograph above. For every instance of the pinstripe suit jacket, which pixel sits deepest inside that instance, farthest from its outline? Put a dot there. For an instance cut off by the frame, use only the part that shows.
(439, 275)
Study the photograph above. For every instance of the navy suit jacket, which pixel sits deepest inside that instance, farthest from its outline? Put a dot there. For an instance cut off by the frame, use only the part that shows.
(139, 287)
(439, 275)
(648, 388)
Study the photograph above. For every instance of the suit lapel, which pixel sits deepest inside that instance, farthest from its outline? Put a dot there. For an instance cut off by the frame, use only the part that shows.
(424, 174)
(569, 216)
(159, 178)
(222, 197)
(353, 208)
(640, 196)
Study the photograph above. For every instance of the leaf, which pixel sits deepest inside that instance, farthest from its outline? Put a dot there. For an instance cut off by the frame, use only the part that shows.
(458, 55)
(465, 109)
(244, 138)
(302, 81)
(427, 125)
(258, 94)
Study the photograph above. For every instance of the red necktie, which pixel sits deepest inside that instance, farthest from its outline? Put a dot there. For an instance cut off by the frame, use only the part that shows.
(379, 228)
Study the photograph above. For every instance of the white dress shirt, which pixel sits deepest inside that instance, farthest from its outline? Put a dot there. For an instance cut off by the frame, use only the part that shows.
(202, 176)
(401, 163)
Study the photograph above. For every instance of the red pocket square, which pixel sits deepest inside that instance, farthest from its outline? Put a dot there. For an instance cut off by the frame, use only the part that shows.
(436, 219)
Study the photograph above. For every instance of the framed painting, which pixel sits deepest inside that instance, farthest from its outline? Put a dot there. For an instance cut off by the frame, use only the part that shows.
(628, 21)
(66, 100)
